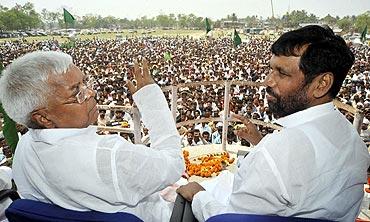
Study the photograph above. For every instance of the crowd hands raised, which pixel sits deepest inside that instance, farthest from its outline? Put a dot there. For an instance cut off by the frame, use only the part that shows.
(110, 63)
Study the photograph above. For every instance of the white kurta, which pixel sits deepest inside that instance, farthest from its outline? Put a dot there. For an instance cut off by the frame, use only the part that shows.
(315, 167)
(80, 170)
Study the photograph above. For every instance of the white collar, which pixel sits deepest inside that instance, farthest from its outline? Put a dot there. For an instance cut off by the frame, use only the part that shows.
(54, 135)
(306, 115)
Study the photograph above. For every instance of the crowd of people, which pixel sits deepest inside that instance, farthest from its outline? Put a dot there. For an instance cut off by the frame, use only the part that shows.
(108, 64)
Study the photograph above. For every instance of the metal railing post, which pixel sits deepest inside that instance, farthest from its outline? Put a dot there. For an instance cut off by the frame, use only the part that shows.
(357, 122)
(225, 121)
(137, 124)
(174, 101)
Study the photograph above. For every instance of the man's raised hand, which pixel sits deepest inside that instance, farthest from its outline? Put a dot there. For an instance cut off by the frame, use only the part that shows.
(142, 77)
(249, 132)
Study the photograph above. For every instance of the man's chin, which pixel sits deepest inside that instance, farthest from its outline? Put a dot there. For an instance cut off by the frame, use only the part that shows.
(94, 123)
(271, 99)
(274, 109)
(93, 115)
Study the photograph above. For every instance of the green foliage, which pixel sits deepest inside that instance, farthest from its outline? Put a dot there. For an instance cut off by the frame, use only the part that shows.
(362, 21)
(19, 17)
(25, 17)
(50, 19)
(9, 129)
(345, 23)
(253, 21)
(330, 20)
(297, 17)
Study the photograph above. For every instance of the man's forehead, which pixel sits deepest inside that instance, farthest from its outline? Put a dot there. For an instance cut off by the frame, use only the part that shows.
(284, 61)
(73, 74)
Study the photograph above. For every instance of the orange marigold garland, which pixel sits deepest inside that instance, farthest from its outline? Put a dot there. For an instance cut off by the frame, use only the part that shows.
(207, 165)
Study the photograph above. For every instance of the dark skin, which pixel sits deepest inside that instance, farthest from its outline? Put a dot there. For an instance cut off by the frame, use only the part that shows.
(189, 190)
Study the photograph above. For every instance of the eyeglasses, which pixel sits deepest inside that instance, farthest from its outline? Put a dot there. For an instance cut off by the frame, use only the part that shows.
(85, 92)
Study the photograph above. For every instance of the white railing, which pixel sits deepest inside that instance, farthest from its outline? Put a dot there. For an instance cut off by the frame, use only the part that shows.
(358, 115)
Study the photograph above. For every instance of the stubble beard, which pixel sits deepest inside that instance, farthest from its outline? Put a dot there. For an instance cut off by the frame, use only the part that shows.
(283, 106)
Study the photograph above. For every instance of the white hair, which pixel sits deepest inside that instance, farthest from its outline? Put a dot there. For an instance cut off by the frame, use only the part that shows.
(24, 83)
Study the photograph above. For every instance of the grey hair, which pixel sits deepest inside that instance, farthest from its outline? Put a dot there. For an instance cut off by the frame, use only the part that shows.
(24, 83)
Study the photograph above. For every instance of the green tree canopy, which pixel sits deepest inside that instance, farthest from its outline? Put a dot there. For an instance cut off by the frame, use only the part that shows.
(20, 17)
(362, 21)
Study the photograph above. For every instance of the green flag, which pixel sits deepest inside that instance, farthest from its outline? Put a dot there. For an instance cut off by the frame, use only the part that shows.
(167, 56)
(10, 129)
(68, 17)
(208, 26)
(236, 40)
(363, 34)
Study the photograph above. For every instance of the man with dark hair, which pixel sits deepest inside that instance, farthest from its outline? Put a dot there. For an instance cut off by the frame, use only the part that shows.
(197, 137)
(188, 140)
(320, 56)
(315, 167)
(206, 137)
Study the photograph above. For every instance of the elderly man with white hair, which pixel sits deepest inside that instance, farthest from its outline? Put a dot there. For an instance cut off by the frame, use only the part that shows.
(61, 160)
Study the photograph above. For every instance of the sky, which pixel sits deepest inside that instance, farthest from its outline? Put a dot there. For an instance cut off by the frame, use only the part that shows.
(214, 9)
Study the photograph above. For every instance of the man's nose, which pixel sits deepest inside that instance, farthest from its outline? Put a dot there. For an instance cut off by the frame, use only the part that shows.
(90, 93)
(269, 81)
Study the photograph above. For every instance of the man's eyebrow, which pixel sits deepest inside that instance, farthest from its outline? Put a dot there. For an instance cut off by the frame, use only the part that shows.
(75, 86)
(74, 89)
(280, 69)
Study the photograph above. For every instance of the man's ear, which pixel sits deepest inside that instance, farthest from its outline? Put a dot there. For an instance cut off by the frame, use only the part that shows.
(40, 117)
(322, 84)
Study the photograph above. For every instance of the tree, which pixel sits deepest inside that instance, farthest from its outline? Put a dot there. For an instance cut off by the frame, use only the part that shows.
(146, 22)
(9, 130)
(297, 17)
(50, 19)
(330, 20)
(89, 21)
(19, 17)
(192, 20)
(345, 23)
(163, 21)
(253, 21)
(234, 19)
(124, 23)
(32, 18)
(22, 17)
(182, 21)
(109, 22)
(362, 21)
(172, 19)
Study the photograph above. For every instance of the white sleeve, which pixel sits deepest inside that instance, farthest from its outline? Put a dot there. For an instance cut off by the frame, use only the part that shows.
(139, 171)
(215, 199)
(204, 206)
(256, 189)
(157, 117)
